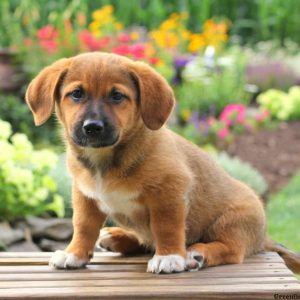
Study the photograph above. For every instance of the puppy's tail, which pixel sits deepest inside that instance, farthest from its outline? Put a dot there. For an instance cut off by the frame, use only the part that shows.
(291, 259)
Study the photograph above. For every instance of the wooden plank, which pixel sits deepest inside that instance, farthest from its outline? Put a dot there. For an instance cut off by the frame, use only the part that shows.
(102, 254)
(108, 260)
(138, 267)
(90, 282)
(244, 291)
(26, 274)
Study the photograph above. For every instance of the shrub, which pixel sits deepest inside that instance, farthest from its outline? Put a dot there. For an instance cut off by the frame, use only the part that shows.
(242, 171)
(25, 186)
(283, 106)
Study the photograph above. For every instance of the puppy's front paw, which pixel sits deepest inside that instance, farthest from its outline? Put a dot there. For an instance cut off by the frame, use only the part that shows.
(64, 260)
(166, 264)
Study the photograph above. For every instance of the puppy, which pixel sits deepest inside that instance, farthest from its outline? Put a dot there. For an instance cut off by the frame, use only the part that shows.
(166, 194)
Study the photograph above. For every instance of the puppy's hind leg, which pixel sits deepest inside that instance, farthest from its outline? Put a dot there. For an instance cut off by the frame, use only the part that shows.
(215, 253)
(238, 233)
(117, 239)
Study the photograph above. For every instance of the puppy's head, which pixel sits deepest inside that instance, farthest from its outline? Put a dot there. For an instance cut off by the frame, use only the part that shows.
(100, 97)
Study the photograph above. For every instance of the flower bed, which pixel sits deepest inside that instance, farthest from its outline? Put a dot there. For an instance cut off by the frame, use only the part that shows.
(222, 88)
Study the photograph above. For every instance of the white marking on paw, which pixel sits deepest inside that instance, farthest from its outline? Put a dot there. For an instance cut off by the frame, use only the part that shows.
(63, 260)
(105, 240)
(192, 259)
(166, 264)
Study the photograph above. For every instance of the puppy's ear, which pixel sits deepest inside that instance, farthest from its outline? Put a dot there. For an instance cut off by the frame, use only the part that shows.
(44, 90)
(156, 96)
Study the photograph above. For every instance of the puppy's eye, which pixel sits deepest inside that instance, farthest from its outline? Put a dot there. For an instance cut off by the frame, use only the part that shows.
(77, 95)
(117, 97)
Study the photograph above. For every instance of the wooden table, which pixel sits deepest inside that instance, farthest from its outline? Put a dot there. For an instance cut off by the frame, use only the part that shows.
(110, 276)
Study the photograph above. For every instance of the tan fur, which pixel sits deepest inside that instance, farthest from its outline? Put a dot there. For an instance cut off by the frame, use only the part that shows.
(175, 196)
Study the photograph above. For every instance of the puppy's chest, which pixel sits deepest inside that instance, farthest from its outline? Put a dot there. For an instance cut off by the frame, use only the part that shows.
(111, 200)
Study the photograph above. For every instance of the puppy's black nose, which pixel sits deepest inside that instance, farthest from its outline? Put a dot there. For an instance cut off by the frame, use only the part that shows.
(92, 127)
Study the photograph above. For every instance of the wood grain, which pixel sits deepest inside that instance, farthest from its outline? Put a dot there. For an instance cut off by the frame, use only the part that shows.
(112, 276)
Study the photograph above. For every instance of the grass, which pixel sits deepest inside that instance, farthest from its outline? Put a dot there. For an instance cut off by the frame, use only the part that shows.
(283, 214)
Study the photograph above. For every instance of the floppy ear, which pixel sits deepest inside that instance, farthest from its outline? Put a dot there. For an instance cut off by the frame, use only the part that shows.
(156, 96)
(44, 90)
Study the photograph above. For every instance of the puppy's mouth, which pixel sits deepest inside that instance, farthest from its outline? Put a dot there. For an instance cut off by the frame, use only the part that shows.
(93, 136)
(92, 143)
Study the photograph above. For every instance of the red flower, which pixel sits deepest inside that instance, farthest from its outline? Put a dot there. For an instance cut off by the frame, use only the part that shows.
(91, 42)
(233, 113)
(124, 38)
(153, 60)
(223, 133)
(122, 49)
(47, 32)
(138, 51)
(50, 46)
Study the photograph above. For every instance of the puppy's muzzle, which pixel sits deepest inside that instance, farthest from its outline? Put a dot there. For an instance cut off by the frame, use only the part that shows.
(92, 128)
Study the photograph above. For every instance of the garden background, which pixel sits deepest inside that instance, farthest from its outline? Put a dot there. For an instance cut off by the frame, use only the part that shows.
(235, 69)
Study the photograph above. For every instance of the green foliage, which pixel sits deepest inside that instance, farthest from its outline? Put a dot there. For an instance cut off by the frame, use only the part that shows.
(25, 185)
(10, 26)
(283, 215)
(16, 112)
(242, 171)
(281, 105)
(256, 19)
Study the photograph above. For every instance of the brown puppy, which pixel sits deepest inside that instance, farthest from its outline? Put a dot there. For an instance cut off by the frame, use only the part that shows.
(165, 193)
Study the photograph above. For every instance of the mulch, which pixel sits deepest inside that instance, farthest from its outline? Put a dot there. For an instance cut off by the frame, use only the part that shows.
(273, 152)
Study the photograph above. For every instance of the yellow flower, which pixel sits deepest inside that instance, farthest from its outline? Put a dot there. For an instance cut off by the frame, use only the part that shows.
(94, 26)
(185, 114)
(169, 24)
(197, 42)
(186, 34)
(103, 12)
(108, 9)
(215, 33)
(134, 36)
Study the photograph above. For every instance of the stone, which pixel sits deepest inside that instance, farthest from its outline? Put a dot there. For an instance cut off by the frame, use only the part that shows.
(56, 229)
(26, 246)
(9, 235)
(50, 245)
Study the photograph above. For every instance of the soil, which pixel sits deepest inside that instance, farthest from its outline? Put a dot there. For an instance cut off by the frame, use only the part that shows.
(273, 152)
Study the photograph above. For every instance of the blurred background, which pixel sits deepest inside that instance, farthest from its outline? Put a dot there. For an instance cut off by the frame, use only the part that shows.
(234, 66)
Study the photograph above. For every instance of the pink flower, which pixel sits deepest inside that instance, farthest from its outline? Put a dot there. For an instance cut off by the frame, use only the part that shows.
(122, 49)
(138, 51)
(91, 42)
(223, 133)
(233, 113)
(47, 32)
(124, 38)
(49, 45)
